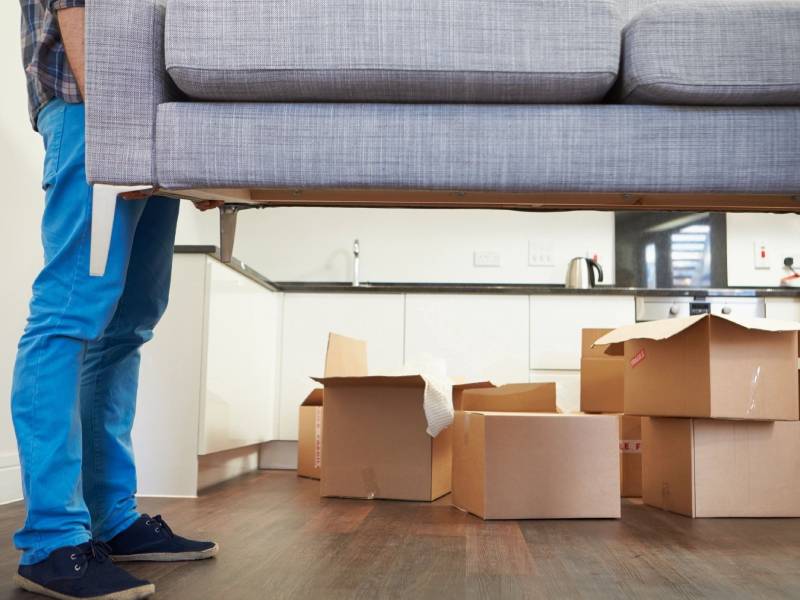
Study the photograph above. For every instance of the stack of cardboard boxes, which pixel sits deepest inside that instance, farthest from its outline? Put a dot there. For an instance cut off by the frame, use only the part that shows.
(721, 436)
(509, 453)
(698, 415)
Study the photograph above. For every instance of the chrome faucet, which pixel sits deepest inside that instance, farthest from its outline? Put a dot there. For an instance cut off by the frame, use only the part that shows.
(356, 260)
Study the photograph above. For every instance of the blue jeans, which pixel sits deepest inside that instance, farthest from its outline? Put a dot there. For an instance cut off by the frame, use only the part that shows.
(74, 393)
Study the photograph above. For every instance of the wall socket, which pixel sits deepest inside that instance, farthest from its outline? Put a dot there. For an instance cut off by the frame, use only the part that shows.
(487, 258)
(540, 254)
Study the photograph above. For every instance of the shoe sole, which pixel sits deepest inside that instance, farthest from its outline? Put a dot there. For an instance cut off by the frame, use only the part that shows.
(166, 556)
(143, 591)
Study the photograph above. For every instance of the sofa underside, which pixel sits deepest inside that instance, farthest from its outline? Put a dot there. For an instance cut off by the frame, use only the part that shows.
(490, 148)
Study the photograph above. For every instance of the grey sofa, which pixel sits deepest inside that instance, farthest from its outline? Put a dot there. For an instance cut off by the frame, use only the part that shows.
(535, 104)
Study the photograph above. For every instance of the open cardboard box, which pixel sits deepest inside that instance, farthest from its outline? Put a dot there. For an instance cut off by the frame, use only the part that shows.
(345, 356)
(374, 433)
(710, 366)
(719, 468)
(602, 374)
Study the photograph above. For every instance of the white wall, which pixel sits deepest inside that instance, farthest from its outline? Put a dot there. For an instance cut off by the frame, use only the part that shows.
(315, 244)
(21, 174)
(781, 233)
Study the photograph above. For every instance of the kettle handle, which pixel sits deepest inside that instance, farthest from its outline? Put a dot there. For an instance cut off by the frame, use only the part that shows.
(594, 263)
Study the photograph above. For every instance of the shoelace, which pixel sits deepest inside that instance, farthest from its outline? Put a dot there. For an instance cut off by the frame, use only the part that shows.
(91, 551)
(160, 525)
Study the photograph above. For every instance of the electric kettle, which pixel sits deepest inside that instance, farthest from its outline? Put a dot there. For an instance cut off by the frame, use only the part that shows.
(580, 273)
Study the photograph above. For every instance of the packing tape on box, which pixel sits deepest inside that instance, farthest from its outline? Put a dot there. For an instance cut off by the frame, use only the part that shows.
(371, 488)
(318, 437)
(754, 381)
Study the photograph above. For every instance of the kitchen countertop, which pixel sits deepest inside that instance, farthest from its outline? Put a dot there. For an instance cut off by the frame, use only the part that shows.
(310, 287)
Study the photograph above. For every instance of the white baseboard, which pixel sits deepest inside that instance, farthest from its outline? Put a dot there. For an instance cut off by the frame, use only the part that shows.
(280, 454)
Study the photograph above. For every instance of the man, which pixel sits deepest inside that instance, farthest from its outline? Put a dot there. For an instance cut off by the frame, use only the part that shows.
(75, 379)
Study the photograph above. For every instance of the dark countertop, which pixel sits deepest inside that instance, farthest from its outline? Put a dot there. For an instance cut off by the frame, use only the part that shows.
(311, 287)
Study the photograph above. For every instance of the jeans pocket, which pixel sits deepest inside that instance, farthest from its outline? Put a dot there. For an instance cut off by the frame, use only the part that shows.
(51, 126)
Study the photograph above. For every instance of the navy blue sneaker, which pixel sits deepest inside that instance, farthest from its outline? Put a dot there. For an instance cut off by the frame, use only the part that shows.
(80, 572)
(151, 539)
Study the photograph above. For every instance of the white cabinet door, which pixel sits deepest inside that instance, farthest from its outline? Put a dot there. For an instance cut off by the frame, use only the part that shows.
(307, 321)
(784, 309)
(241, 361)
(479, 336)
(166, 428)
(556, 324)
(568, 387)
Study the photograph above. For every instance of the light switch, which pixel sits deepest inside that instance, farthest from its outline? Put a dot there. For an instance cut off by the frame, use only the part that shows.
(760, 255)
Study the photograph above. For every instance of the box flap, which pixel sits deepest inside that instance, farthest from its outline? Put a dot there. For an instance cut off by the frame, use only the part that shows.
(473, 385)
(514, 397)
(373, 380)
(590, 349)
(667, 328)
(314, 398)
(346, 357)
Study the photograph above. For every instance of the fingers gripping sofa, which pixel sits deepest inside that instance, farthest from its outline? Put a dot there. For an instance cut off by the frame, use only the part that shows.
(531, 105)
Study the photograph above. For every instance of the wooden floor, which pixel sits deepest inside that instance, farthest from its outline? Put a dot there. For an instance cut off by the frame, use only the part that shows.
(280, 540)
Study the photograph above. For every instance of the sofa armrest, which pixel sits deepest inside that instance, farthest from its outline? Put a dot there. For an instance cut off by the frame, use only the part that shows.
(126, 80)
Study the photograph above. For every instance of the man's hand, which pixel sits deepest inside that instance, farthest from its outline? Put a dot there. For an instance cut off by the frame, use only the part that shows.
(208, 204)
(71, 24)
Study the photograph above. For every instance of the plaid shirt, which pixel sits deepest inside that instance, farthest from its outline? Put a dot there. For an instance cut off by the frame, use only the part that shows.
(43, 55)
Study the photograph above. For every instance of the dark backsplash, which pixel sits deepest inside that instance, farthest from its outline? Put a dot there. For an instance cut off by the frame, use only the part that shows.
(670, 250)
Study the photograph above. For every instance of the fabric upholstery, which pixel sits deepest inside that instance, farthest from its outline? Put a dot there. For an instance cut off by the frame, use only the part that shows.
(125, 80)
(713, 52)
(394, 50)
(472, 147)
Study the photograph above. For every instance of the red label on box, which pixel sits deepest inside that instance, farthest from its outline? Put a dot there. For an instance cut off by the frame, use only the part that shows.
(630, 446)
(637, 358)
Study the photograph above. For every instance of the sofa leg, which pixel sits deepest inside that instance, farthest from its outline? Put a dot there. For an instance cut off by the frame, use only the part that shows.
(104, 206)
(227, 231)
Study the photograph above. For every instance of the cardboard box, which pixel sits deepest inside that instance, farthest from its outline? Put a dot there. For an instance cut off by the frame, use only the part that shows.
(513, 397)
(309, 437)
(536, 466)
(630, 456)
(344, 356)
(376, 445)
(716, 468)
(602, 374)
(710, 366)
(374, 432)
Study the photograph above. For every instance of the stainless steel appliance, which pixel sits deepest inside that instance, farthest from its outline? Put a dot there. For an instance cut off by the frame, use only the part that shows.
(653, 308)
(580, 273)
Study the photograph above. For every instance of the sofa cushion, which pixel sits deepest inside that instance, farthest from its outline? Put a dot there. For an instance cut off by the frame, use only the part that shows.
(394, 50)
(729, 52)
(501, 148)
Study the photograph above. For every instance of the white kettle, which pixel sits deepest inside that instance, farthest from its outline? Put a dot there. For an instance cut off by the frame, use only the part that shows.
(580, 273)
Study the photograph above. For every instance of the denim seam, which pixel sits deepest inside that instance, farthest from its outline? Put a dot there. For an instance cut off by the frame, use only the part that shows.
(60, 316)
(38, 365)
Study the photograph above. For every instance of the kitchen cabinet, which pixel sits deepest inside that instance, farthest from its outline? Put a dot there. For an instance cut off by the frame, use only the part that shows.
(785, 309)
(556, 322)
(208, 378)
(242, 336)
(479, 336)
(307, 320)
